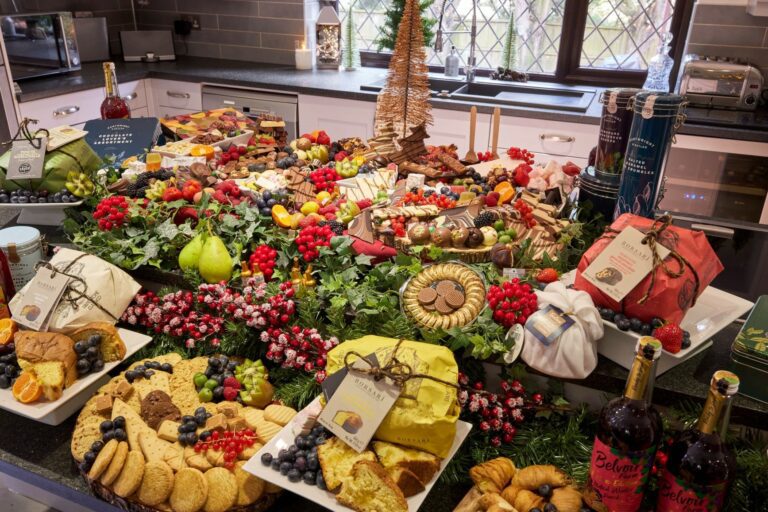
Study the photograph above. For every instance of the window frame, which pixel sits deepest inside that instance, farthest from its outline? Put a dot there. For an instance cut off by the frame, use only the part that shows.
(568, 69)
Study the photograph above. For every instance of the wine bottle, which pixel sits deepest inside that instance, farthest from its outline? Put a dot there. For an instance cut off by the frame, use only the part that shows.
(700, 467)
(628, 434)
(113, 106)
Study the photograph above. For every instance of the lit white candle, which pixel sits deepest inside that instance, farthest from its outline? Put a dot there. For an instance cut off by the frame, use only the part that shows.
(303, 56)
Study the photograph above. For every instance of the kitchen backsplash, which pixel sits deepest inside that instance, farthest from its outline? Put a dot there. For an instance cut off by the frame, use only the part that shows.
(729, 31)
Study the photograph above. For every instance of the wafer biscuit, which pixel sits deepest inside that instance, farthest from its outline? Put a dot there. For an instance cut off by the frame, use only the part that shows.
(279, 414)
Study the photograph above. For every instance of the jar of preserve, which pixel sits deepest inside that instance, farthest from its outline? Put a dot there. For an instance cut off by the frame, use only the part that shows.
(23, 248)
(615, 123)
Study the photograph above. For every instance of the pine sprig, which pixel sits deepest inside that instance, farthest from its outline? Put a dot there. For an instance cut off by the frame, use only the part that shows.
(297, 392)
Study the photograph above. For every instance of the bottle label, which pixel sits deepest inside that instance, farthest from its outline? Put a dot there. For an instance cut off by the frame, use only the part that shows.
(677, 495)
(618, 479)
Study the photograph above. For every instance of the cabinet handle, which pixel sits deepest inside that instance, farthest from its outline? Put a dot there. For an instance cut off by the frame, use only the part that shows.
(557, 138)
(65, 111)
(174, 94)
(132, 96)
(718, 231)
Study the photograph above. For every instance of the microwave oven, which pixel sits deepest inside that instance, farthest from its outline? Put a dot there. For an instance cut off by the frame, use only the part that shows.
(40, 44)
(720, 187)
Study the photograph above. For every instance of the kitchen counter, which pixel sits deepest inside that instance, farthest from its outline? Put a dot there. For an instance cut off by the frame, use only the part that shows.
(339, 84)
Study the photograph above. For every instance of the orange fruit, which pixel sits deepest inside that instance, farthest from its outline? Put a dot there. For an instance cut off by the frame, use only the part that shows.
(202, 150)
(26, 389)
(281, 216)
(506, 191)
(7, 329)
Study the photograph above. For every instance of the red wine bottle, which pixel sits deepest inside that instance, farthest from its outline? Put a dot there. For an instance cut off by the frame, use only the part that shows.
(113, 106)
(628, 434)
(700, 467)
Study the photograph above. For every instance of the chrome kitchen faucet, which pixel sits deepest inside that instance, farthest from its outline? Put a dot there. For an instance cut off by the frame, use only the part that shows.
(471, 66)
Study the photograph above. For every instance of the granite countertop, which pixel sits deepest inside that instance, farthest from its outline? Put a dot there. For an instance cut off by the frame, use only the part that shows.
(346, 85)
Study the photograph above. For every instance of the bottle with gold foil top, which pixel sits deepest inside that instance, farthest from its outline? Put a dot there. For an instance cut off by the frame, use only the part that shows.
(113, 106)
(308, 281)
(700, 467)
(245, 273)
(628, 434)
(296, 277)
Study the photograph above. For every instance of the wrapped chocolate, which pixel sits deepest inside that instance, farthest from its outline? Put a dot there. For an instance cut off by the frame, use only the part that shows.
(676, 280)
(425, 414)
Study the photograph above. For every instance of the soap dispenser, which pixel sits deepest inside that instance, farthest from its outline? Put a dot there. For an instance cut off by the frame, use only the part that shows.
(452, 63)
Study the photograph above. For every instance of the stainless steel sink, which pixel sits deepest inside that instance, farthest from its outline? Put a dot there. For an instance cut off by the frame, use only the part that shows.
(531, 95)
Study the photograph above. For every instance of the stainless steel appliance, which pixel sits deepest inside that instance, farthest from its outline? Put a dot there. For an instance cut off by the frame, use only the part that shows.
(253, 102)
(720, 187)
(147, 45)
(92, 39)
(727, 85)
(40, 44)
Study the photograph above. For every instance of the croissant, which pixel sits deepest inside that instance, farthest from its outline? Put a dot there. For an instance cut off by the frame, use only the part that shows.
(526, 500)
(531, 477)
(509, 493)
(492, 499)
(566, 499)
(493, 475)
(501, 508)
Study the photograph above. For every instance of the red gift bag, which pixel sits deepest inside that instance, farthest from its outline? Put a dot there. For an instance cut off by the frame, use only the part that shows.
(674, 284)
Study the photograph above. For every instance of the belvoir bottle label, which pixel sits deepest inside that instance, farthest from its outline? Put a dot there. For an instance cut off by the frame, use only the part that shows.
(677, 495)
(618, 478)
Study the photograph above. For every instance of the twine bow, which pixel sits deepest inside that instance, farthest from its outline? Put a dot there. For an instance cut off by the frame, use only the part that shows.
(396, 370)
(23, 133)
(72, 295)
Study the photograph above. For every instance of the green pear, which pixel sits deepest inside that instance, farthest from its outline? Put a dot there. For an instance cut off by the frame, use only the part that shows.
(190, 254)
(215, 263)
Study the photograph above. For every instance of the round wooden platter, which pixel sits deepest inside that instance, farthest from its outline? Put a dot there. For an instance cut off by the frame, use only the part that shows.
(105, 493)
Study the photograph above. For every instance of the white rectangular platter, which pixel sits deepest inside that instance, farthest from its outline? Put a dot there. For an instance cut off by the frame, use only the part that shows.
(324, 498)
(75, 396)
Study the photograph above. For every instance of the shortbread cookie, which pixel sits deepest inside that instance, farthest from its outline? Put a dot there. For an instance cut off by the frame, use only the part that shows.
(86, 433)
(249, 487)
(222, 490)
(196, 460)
(253, 417)
(190, 490)
(157, 483)
(131, 475)
(279, 414)
(116, 466)
(152, 446)
(266, 430)
(134, 425)
(174, 456)
(103, 459)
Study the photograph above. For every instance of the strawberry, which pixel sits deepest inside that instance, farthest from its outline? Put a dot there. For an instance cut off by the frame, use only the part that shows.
(341, 155)
(671, 337)
(547, 275)
(364, 203)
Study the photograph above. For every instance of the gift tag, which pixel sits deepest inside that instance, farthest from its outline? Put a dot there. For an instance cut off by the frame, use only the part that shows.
(27, 158)
(39, 299)
(358, 407)
(623, 264)
(512, 273)
(548, 324)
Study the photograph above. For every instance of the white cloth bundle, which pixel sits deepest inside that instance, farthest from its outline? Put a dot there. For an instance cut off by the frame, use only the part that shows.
(572, 354)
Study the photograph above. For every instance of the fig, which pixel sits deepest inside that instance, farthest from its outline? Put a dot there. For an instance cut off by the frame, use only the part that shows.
(501, 255)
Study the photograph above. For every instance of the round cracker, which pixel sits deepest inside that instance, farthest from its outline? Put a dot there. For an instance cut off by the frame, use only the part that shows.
(86, 433)
(249, 487)
(190, 490)
(131, 475)
(222, 490)
(157, 483)
(116, 466)
(427, 296)
(103, 459)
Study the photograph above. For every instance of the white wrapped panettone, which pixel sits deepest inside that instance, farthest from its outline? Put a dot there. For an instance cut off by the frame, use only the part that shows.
(561, 337)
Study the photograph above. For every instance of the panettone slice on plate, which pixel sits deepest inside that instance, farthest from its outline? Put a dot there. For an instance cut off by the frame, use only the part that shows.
(371, 488)
(422, 464)
(111, 345)
(336, 461)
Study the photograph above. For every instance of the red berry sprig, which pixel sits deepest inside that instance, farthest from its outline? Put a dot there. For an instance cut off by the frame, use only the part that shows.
(112, 212)
(231, 443)
(324, 179)
(297, 348)
(398, 225)
(263, 257)
(512, 302)
(526, 213)
(521, 154)
(496, 414)
(311, 238)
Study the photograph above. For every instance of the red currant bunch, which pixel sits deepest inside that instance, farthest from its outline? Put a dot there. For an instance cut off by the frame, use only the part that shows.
(521, 154)
(231, 443)
(324, 178)
(496, 414)
(398, 225)
(311, 238)
(264, 258)
(111, 213)
(512, 302)
(526, 213)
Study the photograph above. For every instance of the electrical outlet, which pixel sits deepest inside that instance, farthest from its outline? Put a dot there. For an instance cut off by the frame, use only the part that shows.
(194, 19)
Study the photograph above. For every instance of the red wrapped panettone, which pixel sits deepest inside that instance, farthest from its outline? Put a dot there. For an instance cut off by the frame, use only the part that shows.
(676, 281)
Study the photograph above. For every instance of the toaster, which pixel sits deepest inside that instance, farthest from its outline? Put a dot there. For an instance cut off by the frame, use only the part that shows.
(725, 85)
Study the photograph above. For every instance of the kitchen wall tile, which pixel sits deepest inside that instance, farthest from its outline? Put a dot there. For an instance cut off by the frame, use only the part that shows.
(261, 25)
(159, 5)
(756, 56)
(226, 37)
(727, 15)
(198, 49)
(281, 10)
(727, 35)
(280, 41)
(257, 55)
(236, 7)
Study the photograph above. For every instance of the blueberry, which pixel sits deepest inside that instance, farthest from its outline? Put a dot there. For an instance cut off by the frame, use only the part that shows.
(275, 465)
(320, 481)
(106, 426)
(213, 362)
(623, 324)
(300, 463)
(130, 376)
(120, 434)
(310, 441)
(285, 456)
(319, 440)
(293, 475)
(218, 392)
(83, 366)
(148, 373)
(140, 368)
(313, 463)
(80, 347)
(5, 382)
(266, 459)
(619, 316)
(285, 467)
(544, 490)
(309, 478)
(266, 195)
(635, 324)
(318, 430)
(108, 436)
(260, 204)
(167, 367)
(97, 365)
(657, 322)
(200, 419)
(92, 353)
(119, 422)
(200, 410)
(646, 330)
(94, 340)
(4, 198)
(686, 335)
(191, 438)
(550, 507)
(205, 435)
(300, 453)
(293, 449)
(89, 457)
(686, 343)
(97, 446)
(11, 372)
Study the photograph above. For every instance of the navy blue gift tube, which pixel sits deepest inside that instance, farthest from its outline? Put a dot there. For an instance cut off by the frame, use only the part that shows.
(656, 118)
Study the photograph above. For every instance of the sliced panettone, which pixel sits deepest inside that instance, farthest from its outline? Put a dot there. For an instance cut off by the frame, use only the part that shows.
(51, 377)
(406, 481)
(336, 461)
(111, 345)
(371, 490)
(43, 347)
(422, 464)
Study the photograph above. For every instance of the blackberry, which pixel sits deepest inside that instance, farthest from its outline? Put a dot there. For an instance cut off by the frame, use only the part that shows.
(485, 218)
(337, 227)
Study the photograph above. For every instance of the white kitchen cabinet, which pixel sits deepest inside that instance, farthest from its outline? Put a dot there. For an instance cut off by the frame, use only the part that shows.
(163, 112)
(172, 95)
(135, 94)
(338, 117)
(452, 127)
(555, 139)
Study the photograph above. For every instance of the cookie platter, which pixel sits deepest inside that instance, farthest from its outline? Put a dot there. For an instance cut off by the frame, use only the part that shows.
(73, 397)
(286, 437)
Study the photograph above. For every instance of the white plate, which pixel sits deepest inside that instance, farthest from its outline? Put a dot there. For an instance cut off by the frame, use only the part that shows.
(327, 499)
(75, 396)
(39, 206)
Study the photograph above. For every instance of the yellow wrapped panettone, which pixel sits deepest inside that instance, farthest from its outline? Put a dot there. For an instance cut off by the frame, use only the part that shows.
(425, 414)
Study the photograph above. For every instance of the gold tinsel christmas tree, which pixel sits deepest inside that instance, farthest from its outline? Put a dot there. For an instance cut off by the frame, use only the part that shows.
(404, 101)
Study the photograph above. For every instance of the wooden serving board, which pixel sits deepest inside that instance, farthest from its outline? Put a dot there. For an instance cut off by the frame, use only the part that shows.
(485, 167)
